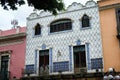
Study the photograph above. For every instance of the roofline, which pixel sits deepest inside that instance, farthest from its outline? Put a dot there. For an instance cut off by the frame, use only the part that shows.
(109, 6)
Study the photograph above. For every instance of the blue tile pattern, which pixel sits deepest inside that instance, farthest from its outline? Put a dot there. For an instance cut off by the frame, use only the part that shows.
(50, 61)
(88, 56)
(43, 46)
(35, 61)
(96, 63)
(70, 53)
(61, 66)
(62, 41)
(29, 69)
(78, 42)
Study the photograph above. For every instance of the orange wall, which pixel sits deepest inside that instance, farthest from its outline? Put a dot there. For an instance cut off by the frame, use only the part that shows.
(108, 2)
(111, 45)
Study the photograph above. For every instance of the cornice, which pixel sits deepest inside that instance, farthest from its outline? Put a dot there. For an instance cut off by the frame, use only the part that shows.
(109, 6)
(14, 36)
(38, 17)
(11, 42)
(7, 51)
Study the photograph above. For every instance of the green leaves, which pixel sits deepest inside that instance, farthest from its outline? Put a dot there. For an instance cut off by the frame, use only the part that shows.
(11, 4)
(52, 6)
(48, 5)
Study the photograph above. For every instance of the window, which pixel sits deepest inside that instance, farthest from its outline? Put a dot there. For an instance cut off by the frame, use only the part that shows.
(60, 25)
(4, 67)
(37, 29)
(118, 22)
(118, 17)
(44, 60)
(79, 56)
(85, 21)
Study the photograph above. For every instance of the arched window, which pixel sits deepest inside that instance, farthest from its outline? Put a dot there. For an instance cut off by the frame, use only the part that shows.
(85, 21)
(37, 29)
(60, 25)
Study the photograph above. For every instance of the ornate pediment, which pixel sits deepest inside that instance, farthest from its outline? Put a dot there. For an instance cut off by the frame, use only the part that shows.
(90, 3)
(74, 6)
(44, 13)
(33, 15)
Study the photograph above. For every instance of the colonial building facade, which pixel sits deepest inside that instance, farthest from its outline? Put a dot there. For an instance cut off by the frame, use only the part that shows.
(67, 43)
(12, 53)
(110, 30)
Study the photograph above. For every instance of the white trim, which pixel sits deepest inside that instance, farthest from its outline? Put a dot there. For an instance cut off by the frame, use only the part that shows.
(8, 60)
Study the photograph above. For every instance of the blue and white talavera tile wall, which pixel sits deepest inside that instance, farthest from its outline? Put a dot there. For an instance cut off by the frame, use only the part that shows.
(64, 41)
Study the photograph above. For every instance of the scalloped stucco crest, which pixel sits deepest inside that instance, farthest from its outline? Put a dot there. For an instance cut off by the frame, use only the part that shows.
(90, 3)
(33, 15)
(75, 6)
(44, 13)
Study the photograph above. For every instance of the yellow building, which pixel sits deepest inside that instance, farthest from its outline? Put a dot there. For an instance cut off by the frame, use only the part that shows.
(109, 11)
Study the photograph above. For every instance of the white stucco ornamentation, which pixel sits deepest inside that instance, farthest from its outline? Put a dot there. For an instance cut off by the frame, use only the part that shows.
(75, 6)
(33, 15)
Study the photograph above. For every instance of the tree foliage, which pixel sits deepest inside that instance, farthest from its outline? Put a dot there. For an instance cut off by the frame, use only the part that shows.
(48, 5)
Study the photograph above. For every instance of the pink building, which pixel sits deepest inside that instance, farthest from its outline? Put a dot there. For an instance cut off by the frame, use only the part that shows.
(12, 52)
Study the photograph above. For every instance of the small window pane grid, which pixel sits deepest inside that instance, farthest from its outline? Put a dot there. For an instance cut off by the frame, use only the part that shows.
(60, 27)
(44, 52)
(60, 66)
(96, 63)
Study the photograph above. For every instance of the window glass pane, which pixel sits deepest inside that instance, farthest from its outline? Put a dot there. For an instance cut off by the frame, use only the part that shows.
(79, 56)
(37, 29)
(119, 15)
(85, 21)
(43, 59)
(61, 25)
(76, 60)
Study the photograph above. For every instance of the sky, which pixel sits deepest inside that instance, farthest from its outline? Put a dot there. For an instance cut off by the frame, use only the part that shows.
(22, 12)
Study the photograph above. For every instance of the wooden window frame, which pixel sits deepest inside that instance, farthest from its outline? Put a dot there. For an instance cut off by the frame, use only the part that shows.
(37, 29)
(85, 21)
(60, 25)
(79, 54)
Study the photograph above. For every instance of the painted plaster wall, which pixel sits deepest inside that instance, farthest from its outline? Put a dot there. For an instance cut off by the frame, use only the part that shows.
(107, 2)
(111, 47)
(17, 57)
(11, 31)
(62, 40)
